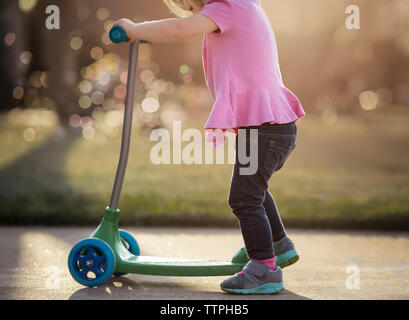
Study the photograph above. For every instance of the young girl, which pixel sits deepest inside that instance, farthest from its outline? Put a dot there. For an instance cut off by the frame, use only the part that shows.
(243, 74)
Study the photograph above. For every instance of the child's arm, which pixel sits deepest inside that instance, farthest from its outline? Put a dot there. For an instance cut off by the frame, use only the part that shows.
(168, 30)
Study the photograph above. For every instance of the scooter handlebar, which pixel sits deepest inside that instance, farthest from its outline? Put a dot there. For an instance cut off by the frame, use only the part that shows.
(118, 35)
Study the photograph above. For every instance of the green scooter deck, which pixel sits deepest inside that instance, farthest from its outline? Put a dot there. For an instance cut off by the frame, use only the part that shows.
(158, 266)
(177, 267)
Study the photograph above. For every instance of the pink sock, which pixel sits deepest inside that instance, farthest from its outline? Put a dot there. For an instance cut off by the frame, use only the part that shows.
(271, 263)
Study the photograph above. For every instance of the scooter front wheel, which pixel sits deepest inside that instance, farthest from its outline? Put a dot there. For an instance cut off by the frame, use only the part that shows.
(91, 262)
(130, 244)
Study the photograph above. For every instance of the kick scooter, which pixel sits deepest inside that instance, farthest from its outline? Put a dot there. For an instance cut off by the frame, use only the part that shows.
(113, 252)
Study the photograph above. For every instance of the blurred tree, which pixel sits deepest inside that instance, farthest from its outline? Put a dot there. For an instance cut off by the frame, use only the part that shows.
(11, 44)
(53, 53)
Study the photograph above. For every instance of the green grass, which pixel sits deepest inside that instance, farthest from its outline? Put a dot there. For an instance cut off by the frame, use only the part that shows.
(350, 175)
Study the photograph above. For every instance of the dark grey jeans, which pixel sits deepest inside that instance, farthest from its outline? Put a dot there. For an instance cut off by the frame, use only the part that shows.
(249, 198)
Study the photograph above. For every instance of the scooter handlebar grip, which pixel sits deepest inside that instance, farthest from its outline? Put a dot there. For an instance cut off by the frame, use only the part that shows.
(118, 35)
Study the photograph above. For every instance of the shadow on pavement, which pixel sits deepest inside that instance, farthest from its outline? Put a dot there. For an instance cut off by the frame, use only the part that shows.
(128, 289)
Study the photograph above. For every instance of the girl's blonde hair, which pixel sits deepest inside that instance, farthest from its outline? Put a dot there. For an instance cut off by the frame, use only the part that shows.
(178, 11)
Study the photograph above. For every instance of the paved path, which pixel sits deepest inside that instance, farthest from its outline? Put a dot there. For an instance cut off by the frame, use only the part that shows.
(33, 265)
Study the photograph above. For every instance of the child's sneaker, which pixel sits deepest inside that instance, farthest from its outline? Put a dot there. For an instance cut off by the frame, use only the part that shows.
(256, 278)
(284, 251)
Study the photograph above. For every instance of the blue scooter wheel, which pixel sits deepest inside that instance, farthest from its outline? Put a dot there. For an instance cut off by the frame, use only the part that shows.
(91, 262)
(130, 244)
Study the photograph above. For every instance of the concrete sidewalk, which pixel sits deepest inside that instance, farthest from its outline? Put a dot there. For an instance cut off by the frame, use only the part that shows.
(333, 265)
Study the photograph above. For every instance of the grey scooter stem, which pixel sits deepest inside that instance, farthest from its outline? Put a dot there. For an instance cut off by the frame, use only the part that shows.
(127, 129)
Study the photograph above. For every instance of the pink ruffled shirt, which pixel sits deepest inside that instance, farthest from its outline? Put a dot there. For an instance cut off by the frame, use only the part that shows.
(242, 70)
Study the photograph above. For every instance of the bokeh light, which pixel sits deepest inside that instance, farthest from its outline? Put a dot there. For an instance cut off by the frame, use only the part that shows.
(103, 78)
(75, 121)
(150, 105)
(97, 53)
(76, 43)
(85, 86)
(29, 134)
(27, 5)
(44, 79)
(25, 57)
(97, 97)
(86, 122)
(18, 93)
(88, 133)
(120, 91)
(109, 104)
(114, 118)
(184, 69)
(35, 79)
(9, 38)
(102, 13)
(85, 102)
(368, 100)
(105, 39)
(147, 76)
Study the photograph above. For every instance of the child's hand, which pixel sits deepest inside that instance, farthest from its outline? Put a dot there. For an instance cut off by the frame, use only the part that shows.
(128, 26)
